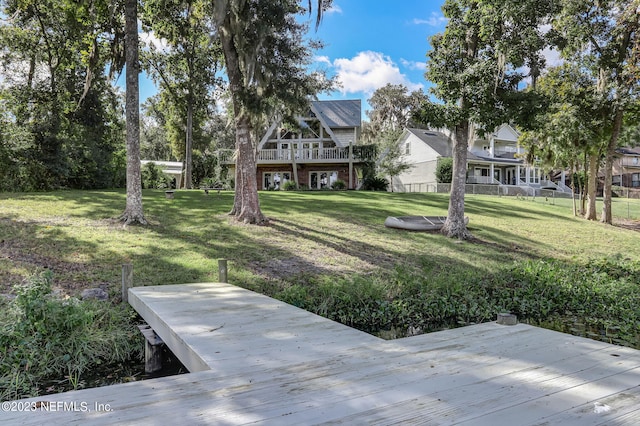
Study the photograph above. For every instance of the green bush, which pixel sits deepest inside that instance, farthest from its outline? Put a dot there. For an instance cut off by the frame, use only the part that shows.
(375, 184)
(444, 170)
(339, 185)
(154, 178)
(599, 299)
(289, 186)
(44, 337)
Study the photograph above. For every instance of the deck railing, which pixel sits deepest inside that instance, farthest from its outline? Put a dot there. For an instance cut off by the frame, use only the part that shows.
(302, 155)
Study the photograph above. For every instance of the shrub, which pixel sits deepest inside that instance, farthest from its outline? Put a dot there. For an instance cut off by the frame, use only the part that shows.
(598, 299)
(45, 338)
(289, 186)
(339, 185)
(375, 184)
(154, 178)
(444, 170)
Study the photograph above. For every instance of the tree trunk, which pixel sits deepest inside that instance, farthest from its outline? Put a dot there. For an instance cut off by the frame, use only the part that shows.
(133, 212)
(247, 193)
(454, 226)
(188, 159)
(246, 205)
(607, 216)
(592, 187)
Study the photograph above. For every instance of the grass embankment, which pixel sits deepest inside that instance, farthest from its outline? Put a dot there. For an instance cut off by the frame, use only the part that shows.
(330, 253)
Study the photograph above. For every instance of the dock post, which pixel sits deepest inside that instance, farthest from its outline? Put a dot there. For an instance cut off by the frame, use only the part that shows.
(222, 270)
(506, 318)
(152, 349)
(127, 281)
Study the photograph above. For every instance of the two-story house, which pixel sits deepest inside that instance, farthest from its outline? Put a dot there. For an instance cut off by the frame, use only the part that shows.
(316, 154)
(626, 168)
(493, 160)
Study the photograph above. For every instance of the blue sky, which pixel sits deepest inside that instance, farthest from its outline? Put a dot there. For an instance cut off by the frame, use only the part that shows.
(372, 43)
(369, 44)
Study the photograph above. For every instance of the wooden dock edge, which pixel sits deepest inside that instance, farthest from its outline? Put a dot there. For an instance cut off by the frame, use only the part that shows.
(181, 349)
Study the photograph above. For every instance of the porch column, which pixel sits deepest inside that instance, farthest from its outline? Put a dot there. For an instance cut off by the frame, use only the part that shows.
(350, 165)
(517, 182)
(492, 147)
(491, 172)
(563, 176)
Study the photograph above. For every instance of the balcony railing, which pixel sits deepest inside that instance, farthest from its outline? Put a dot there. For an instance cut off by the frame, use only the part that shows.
(302, 155)
(361, 153)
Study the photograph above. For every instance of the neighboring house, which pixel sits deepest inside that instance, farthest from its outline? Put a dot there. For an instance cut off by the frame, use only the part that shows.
(626, 168)
(172, 169)
(495, 160)
(317, 154)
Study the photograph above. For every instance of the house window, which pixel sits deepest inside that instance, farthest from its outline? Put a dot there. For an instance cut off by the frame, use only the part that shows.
(275, 181)
(407, 148)
(481, 171)
(322, 180)
(635, 180)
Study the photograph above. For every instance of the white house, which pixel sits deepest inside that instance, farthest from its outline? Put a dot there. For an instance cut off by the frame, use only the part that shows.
(494, 160)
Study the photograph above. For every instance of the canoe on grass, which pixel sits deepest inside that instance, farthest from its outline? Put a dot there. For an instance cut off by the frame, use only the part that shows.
(418, 223)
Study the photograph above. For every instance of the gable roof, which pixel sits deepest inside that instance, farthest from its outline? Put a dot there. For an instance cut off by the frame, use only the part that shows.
(439, 142)
(506, 132)
(435, 140)
(337, 114)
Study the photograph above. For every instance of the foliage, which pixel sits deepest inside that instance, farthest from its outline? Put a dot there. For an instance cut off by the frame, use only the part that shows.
(185, 69)
(339, 185)
(392, 110)
(154, 178)
(375, 183)
(602, 38)
(289, 186)
(58, 130)
(444, 170)
(600, 296)
(392, 161)
(266, 58)
(43, 337)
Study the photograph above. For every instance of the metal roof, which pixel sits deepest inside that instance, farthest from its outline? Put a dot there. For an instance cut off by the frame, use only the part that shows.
(337, 114)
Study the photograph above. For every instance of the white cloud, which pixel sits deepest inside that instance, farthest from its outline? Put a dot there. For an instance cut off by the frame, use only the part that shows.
(151, 39)
(322, 60)
(552, 57)
(333, 9)
(435, 20)
(414, 65)
(368, 71)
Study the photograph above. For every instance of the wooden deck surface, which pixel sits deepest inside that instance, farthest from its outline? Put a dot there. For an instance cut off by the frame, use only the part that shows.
(255, 360)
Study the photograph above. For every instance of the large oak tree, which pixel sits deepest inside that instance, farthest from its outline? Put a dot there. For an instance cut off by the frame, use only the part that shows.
(477, 66)
(266, 61)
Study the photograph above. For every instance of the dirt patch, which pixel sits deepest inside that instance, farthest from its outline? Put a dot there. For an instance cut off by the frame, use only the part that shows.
(633, 225)
(31, 261)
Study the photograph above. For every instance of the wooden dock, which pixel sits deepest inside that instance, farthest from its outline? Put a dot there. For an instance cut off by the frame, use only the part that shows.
(254, 360)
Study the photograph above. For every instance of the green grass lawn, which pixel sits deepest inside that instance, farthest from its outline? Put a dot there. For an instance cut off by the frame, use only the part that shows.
(319, 234)
(327, 252)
